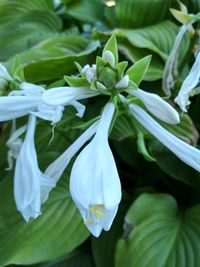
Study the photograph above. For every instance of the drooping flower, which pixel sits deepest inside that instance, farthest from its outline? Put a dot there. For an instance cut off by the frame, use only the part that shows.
(94, 181)
(29, 99)
(29, 181)
(188, 85)
(184, 151)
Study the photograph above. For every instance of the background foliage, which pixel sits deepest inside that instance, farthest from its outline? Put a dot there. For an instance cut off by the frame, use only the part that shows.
(158, 223)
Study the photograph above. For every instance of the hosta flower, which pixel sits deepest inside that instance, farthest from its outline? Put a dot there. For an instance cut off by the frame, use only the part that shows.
(187, 153)
(94, 181)
(29, 99)
(188, 85)
(30, 184)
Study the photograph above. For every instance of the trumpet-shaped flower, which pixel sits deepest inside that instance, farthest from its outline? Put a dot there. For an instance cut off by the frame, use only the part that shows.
(188, 85)
(157, 106)
(184, 151)
(94, 181)
(30, 184)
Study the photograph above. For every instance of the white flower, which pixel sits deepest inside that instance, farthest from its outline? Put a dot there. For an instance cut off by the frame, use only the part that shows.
(188, 85)
(4, 76)
(157, 106)
(19, 103)
(64, 95)
(184, 151)
(29, 100)
(90, 72)
(94, 181)
(30, 184)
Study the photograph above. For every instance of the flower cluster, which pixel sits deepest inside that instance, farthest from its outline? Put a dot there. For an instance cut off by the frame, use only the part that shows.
(94, 181)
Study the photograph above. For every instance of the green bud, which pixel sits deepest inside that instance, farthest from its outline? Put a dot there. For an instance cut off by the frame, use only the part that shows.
(108, 77)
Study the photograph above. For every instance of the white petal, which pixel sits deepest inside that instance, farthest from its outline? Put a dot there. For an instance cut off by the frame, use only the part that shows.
(123, 83)
(184, 151)
(109, 218)
(63, 95)
(27, 176)
(188, 85)
(28, 89)
(31, 186)
(109, 57)
(4, 73)
(79, 107)
(50, 113)
(90, 72)
(12, 107)
(157, 106)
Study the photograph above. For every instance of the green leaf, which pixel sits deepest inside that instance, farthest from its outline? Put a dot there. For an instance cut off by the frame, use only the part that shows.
(173, 166)
(55, 57)
(111, 46)
(138, 70)
(25, 31)
(11, 9)
(76, 81)
(138, 14)
(142, 147)
(185, 130)
(79, 10)
(53, 234)
(103, 248)
(162, 234)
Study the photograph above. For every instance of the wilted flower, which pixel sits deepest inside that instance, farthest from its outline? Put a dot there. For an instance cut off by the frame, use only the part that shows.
(94, 181)
(188, 85)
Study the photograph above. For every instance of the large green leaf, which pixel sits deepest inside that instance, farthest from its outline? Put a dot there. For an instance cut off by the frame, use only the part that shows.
(11, 9)
(56, 232)
(25, 31)
(55, 57)
(162, 234)
(137, 13)
(79, 10)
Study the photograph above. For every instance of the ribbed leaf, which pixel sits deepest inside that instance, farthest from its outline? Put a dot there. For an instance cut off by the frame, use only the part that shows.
(137, 13)
(25, 31)
(10, 9)
(86, 11)
(162, 234)
(56, 232)
(55, 57)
